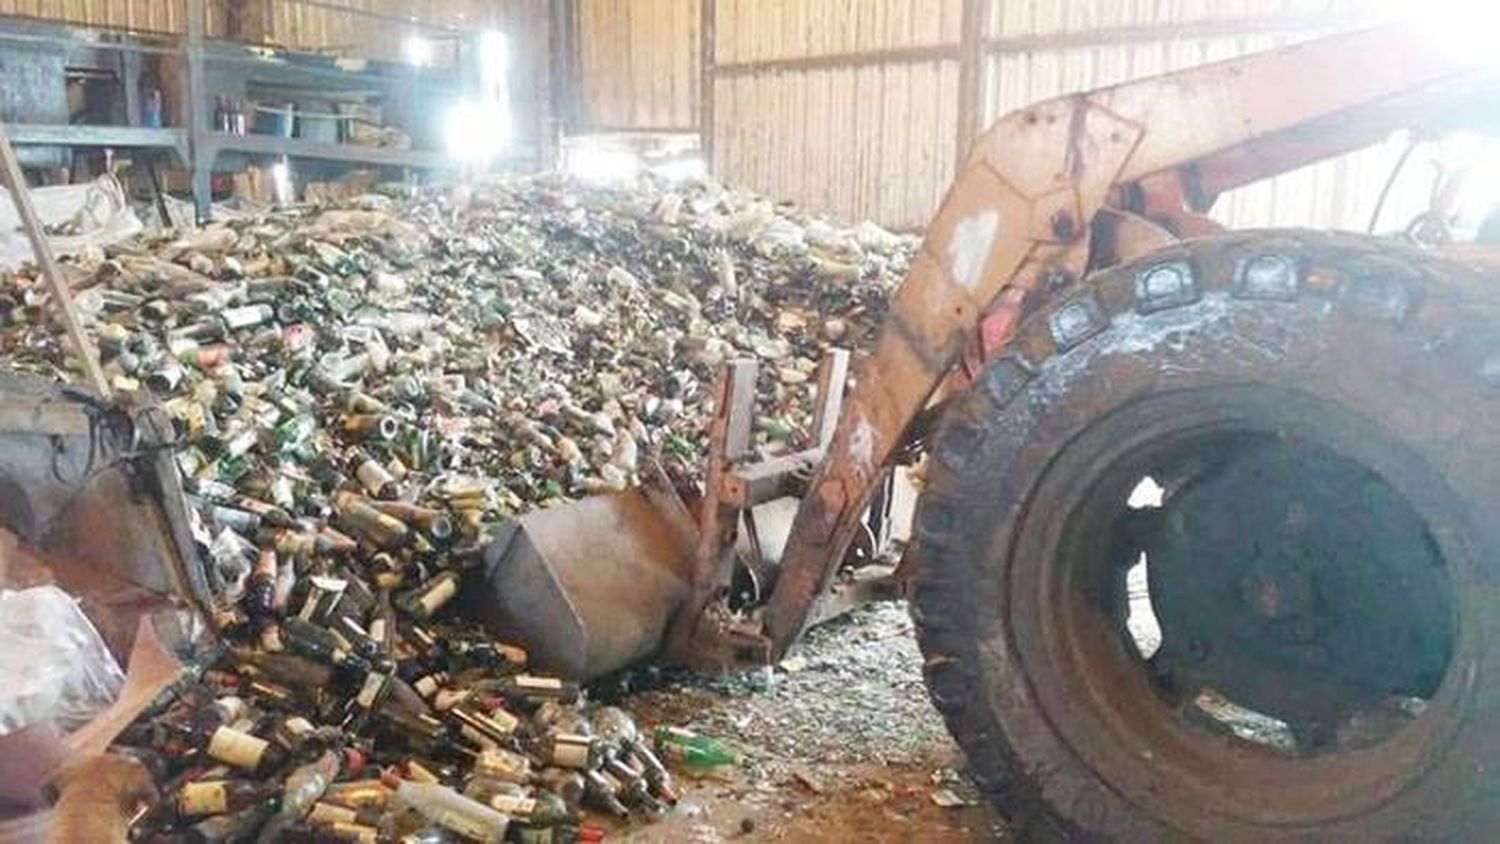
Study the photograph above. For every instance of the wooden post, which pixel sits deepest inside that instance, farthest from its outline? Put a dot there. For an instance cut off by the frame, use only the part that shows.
(195, 109)
(62, 297)
(707, 14)
(543, 60)
(971, 56)
(566, 87)
(130, 86)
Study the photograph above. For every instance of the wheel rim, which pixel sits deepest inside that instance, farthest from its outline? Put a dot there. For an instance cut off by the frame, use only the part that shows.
(1261, 630)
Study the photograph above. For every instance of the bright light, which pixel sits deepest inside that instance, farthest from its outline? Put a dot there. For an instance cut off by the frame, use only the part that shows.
(681, 170)
(281, 182)
(494, 64)
(1463, 27)
(1475, 162)
(597, 164)
(1147, 493)
(606, 162)
(476, 132)
(418, 51)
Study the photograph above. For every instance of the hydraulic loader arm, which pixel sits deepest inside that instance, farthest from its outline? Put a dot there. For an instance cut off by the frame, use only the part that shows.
(1028, 205)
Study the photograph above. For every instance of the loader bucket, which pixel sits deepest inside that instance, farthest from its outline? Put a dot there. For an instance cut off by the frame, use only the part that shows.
(588, 587)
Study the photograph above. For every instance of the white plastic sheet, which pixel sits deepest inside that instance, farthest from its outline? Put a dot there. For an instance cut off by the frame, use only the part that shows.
(93, 214)
(56, 667)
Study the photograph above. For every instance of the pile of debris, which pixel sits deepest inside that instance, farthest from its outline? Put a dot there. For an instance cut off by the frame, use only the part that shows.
(429, 729)
(541, 333)
(360, 392)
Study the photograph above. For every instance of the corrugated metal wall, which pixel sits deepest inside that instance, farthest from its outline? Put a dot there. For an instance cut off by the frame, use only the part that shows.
(1047, 49)
(852, 105)
(304, 26)
(836, 126)
(147, 15)
(856, 137)
(638, 64)
(757, 30)
(845, 105)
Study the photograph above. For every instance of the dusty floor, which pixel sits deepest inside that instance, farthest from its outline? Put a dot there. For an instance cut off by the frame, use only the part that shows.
(839, 743)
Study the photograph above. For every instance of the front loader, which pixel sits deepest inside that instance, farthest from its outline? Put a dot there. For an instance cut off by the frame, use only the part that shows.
(1205, 544)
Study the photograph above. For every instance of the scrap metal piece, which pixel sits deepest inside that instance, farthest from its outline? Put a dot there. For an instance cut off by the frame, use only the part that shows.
(588, 588)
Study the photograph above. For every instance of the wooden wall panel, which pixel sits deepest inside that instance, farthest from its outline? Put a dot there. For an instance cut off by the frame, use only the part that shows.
(638, 63)
(383, 33)
(854, 117)
(765, 30)
(1091, 18)
(837, 127)
(162, 16)
(862, 142)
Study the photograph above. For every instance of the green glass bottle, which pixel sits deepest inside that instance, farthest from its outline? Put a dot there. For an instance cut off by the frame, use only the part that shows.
(691, 749)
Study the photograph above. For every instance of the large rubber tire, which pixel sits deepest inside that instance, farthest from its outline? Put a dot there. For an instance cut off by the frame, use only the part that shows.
(1381, 353)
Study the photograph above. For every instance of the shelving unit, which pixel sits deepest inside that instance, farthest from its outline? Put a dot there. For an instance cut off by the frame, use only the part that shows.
(206, 67)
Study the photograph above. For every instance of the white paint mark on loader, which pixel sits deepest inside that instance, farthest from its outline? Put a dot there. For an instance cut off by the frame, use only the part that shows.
(969, 248)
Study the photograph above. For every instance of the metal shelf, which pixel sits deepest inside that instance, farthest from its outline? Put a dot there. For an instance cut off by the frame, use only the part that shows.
(274, 66)
(75, 135)
(205, 63)
(216, 142)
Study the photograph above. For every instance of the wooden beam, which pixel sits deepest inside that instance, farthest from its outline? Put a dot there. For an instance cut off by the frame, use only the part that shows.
(1152, 33)
(540, 16)
(708, 11)
(405, 21)
(62, 297)
(839, 61)
(971, 59)
(195, 114)
(130, 85)
(1226, 28)
(610, 129)
(566, 85)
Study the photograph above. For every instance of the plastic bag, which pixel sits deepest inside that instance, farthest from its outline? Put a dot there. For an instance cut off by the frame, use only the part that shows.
(55, 665)
(95, 214)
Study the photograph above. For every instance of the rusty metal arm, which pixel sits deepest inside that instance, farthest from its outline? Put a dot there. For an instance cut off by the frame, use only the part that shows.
(1021, 212)
(1349, 130)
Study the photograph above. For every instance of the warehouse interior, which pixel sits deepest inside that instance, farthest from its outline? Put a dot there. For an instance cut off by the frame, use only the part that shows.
(767, 420)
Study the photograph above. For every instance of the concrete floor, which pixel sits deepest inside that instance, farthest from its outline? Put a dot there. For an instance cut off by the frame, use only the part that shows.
(840, 743)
